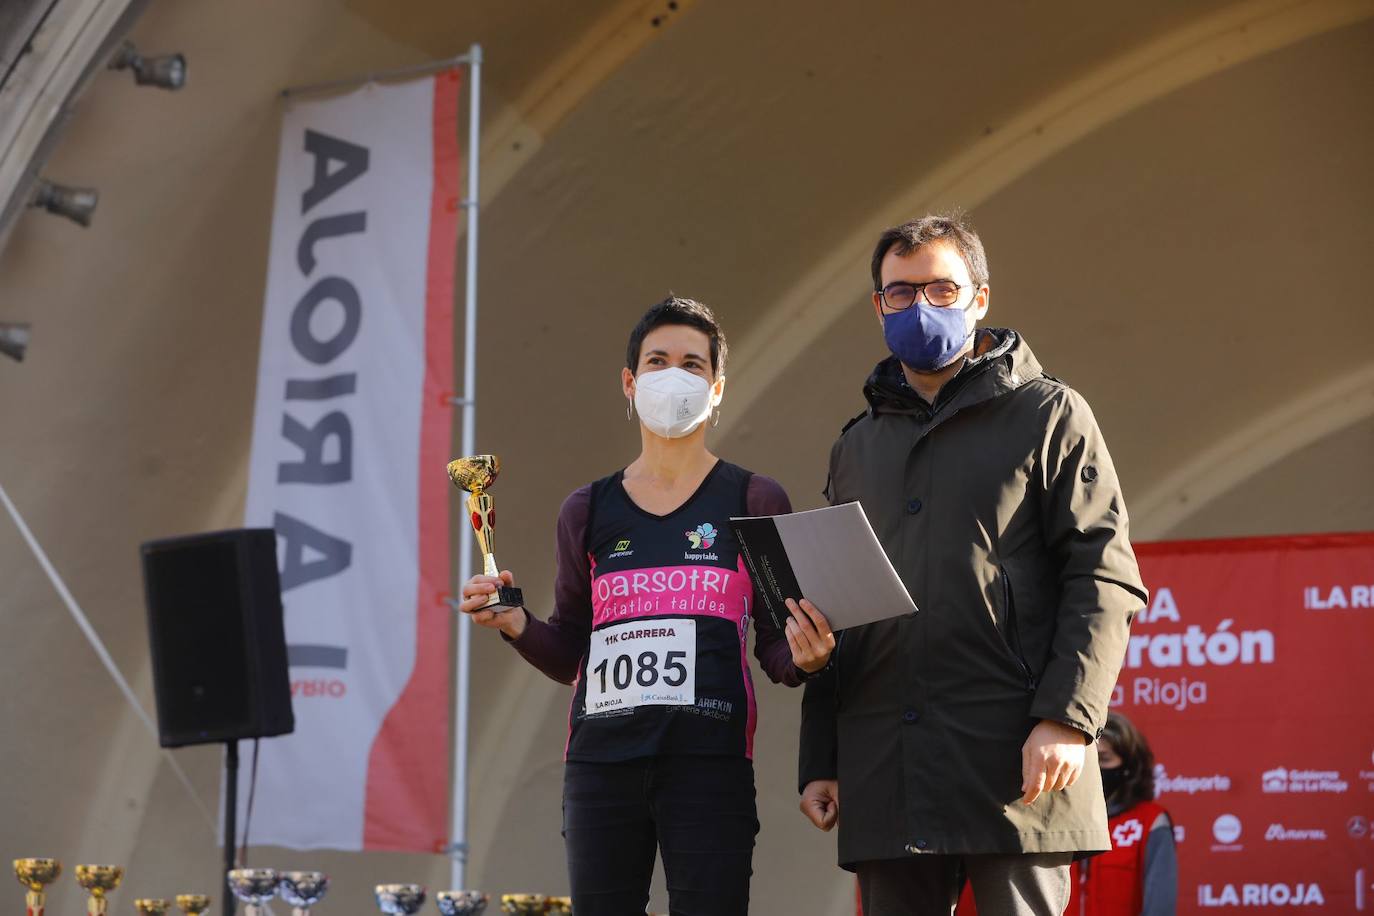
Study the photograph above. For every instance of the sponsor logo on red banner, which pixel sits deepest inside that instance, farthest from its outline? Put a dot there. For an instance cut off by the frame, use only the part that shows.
(1189, 785)
(1337, 597)
(1282, 780)
(1281, 834)
(1226, 831)
(1278, 894)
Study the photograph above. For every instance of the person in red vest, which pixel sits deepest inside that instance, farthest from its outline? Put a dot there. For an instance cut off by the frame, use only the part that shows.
(1139, 876)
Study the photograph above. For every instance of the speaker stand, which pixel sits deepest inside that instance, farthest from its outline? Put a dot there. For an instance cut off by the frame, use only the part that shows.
(231, 810)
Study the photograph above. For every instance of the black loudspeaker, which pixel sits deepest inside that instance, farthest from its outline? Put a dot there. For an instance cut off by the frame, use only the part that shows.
(215, 629)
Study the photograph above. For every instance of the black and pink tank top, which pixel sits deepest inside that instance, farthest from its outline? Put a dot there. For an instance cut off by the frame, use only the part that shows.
(666, 670)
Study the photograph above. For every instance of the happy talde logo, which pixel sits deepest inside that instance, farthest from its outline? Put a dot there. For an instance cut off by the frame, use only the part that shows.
(703, 537)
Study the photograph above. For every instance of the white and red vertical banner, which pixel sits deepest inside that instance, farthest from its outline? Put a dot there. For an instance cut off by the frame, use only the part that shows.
(351, 433)
(1250, 674)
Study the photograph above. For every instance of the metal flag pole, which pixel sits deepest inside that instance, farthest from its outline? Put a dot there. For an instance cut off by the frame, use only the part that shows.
(458, 846)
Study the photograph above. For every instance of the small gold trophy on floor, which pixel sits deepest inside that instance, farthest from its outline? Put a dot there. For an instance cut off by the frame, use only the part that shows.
(152, 906)
(525, 904)
(560, 906)
(36, 874)
(193, 904)
(98, 880)
(476, 474)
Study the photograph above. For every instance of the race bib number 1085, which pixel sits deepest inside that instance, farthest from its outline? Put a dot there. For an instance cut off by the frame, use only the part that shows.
(648, 663)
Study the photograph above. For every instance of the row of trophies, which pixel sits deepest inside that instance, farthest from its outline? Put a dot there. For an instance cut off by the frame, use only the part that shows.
(256, 886)
(98, 880)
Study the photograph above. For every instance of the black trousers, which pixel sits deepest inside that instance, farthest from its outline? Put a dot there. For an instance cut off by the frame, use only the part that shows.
(1029, 884)
(700, 811)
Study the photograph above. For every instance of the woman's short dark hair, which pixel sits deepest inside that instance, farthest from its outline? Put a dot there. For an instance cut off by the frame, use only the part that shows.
(676, 310)
(1137, 760)
(952, 228)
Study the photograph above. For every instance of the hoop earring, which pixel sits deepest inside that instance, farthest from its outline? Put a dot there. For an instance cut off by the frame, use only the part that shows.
(629, 408)
(716, 422)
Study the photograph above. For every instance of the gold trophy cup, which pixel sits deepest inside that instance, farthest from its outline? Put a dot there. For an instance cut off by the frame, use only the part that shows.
(525, 904)
(36, 874)
(193, 904)
(152, 906)
(560, 906)
(476, 474)
(98, 880)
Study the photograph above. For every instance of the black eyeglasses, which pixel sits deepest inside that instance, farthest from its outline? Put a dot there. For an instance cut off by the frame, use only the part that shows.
(902, 295)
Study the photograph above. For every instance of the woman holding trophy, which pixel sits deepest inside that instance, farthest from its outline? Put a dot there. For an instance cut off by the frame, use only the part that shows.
(652, 605)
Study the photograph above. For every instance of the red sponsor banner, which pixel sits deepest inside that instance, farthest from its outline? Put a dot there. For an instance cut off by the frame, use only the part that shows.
(1249, 672)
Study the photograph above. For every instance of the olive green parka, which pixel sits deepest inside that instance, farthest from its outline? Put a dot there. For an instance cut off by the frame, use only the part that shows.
(1002, 513)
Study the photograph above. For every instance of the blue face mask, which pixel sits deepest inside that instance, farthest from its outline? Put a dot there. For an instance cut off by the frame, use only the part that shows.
(927, 338)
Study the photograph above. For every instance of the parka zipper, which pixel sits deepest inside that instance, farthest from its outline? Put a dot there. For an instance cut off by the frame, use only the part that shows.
(835, 663)
(1013, 635)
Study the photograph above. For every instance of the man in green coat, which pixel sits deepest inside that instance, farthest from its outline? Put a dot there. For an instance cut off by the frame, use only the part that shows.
(953, 743)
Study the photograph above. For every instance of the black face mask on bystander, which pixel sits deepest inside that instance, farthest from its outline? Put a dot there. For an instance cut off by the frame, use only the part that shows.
(1112, 780)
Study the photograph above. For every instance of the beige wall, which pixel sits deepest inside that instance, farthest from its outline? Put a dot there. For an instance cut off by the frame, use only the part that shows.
(1153, 263)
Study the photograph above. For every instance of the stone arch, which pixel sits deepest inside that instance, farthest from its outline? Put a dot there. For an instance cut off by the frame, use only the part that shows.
(1187, 55)
(1307, 418)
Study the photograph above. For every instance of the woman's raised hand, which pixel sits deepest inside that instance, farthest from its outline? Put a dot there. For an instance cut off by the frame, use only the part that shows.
(476, 591)
(809, 635)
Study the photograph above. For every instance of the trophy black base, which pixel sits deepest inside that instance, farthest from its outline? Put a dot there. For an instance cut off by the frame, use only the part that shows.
(506, 597)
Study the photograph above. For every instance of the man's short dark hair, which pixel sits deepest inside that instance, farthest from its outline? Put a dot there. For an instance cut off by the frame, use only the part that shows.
(1137, 760)
(676, 310)
(951, 228)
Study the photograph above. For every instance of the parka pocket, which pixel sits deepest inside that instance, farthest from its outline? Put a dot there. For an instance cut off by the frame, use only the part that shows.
(1009, 632)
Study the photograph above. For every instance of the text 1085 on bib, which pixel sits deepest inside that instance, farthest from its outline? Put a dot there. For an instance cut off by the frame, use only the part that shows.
(643, 663)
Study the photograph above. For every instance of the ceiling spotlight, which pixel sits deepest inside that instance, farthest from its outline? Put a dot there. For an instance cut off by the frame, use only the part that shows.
(166, 71)
(14, 340)
(76, 204)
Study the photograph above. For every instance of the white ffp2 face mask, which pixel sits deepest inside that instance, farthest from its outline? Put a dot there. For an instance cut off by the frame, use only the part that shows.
(672, 402)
